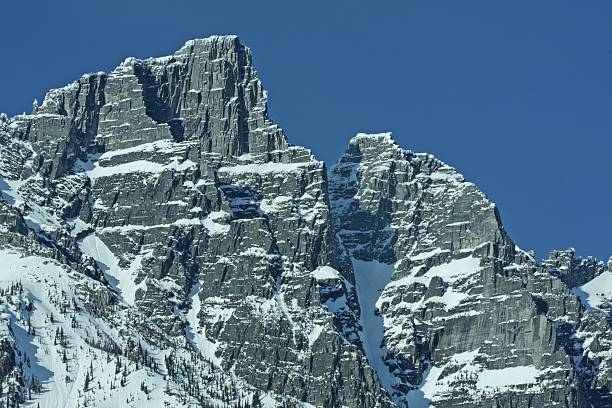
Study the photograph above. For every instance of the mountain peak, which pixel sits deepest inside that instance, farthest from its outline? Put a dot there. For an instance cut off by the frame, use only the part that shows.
(158, 225)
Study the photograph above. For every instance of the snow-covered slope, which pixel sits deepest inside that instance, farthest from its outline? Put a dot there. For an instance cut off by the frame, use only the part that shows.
(68, 355)
(455, 314)
(162, 244)
(597, 292)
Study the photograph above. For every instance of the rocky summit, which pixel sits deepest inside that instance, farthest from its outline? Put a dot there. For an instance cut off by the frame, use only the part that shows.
(163, 245)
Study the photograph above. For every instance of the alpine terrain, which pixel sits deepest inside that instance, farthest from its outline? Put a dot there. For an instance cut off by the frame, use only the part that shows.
(163, 245)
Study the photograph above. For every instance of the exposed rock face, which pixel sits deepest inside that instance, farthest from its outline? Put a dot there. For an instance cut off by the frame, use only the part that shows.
(176, 242)
(464, 312)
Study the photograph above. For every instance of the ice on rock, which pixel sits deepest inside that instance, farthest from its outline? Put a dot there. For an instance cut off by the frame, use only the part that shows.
(456, 283)
(158, 226)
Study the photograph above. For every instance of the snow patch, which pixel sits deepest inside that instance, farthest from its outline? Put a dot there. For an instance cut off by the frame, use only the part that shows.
(166, 146)
(137, 166)
(597, 292)
(435, 385)
(195, 332)
(274, 205)
(94, 170)
(450, 299)
(508, 377)
(455, 270)
(121, 279)
(424, 255)
(214, 227)
(263, 168)
(325, 272)
(314, 334)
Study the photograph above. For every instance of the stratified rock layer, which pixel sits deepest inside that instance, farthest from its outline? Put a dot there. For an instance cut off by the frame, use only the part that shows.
(176, 241)
(467, 317)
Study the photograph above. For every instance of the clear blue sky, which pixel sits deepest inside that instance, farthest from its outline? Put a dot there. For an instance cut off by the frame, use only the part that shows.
(516, 94)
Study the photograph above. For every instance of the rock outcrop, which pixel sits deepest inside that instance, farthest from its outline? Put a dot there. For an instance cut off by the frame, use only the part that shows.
(161, 230)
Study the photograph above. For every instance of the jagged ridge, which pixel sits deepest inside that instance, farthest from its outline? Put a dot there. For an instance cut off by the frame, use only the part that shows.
(210, 263)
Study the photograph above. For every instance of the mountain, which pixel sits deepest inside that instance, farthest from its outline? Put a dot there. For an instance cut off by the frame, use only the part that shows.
(164, 245)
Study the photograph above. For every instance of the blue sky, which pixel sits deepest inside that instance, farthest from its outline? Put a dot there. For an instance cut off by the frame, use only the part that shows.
(516, 95)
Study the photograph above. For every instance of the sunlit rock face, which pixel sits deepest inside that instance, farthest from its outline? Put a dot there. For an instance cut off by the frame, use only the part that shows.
(163, 244)
(465, 317)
